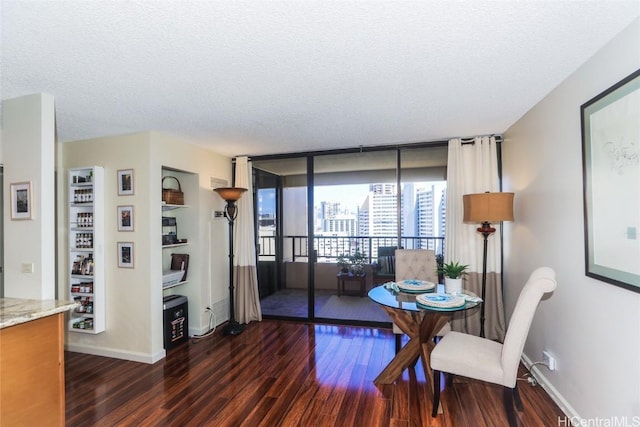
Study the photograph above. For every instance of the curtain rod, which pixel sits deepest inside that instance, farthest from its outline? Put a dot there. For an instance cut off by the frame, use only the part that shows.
(472, 139)
(361, 149)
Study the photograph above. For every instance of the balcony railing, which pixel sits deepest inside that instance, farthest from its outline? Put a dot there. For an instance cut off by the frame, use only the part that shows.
(328, 248)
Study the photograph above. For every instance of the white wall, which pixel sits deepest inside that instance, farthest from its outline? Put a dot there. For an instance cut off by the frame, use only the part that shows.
(592, 328)
(28, 147)
(208, 264)
(134, 296)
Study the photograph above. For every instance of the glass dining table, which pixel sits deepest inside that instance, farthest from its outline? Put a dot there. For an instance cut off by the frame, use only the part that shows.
(420, 323)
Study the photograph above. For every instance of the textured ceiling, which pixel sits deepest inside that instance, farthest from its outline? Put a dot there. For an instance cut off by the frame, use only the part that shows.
(263, 77)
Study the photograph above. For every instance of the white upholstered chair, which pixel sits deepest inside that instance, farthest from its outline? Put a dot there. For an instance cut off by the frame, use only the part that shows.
(418, 264)
(486, 360)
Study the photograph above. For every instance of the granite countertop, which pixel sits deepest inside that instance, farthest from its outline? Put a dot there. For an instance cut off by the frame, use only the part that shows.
(14, 311)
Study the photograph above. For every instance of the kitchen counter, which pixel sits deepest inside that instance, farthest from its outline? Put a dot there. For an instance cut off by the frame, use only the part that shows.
(14, 311)
(32, 361)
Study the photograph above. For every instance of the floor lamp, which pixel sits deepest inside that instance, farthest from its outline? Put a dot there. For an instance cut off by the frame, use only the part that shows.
(231, 196)
(487, 208)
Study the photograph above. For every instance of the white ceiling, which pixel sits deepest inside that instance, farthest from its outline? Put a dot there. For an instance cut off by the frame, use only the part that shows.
(263, 77)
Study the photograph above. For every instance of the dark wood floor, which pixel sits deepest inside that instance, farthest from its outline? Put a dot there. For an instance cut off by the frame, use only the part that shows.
(280, 373)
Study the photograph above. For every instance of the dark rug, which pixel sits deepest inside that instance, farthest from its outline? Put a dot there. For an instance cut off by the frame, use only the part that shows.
(293, 303)
(352, 308)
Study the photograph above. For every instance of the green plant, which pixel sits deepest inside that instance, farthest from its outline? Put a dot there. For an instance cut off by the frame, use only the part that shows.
(358, 261)
(358, 258)
(453, 270)
(344, 262)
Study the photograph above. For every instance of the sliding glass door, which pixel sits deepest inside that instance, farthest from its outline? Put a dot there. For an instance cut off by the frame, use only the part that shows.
(355, 212)
(281, 207)
(319, 212)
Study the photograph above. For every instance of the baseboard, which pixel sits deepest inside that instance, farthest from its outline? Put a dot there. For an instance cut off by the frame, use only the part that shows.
(117, 354)
(555, 395)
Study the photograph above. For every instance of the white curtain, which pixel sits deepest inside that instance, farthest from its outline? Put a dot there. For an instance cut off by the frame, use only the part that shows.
(247, 298)
(473, 168)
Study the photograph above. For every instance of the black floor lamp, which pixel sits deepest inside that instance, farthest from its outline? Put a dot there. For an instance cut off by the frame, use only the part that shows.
(231, 196)
(487, 208)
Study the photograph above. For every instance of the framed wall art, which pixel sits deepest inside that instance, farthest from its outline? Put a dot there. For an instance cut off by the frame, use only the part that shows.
(611, 173)
(125, 254)
(125, 218)
(21, 200)
(125, 182)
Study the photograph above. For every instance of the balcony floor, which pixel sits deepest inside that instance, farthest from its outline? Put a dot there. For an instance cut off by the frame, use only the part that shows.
(293, 303)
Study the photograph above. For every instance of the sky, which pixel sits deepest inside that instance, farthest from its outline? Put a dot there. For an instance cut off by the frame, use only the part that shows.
(349, 196)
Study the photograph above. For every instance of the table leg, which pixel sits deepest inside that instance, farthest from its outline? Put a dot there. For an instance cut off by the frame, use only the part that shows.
(421, 327)
(429, 327)
(406, 357)
(409, 323)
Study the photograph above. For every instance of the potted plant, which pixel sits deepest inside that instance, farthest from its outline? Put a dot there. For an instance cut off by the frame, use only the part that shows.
(344, 263)
(358, 260)
(453, 273)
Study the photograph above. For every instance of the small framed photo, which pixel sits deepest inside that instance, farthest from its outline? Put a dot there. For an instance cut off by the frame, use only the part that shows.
(125, 254)
(125, 218)
(125, 182)
(21, 201)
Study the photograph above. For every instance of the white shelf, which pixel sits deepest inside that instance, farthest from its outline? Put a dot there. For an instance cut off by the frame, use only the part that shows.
(174, 285)
(170, 207)
(89, 210)
(175, 245)
(81, 184)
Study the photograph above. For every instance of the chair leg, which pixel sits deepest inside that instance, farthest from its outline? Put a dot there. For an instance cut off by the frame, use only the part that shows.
(508, 406)
(436, 393)
(398, 343)
(516, 398)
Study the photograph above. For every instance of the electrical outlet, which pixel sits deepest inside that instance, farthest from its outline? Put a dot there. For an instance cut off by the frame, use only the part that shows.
(549, 360)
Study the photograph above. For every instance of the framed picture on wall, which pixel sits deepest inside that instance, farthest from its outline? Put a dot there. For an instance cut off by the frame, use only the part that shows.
(125, 182)
(21, 200)
(125, 218)
(611, 172)
(125, 254)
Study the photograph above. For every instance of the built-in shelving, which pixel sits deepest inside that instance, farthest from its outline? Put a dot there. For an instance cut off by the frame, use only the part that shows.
(86, 249)
(175, 215)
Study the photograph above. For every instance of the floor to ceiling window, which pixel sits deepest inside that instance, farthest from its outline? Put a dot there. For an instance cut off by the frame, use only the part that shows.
(363, 202)
(281, 209)
(423, 188)
(349, 226)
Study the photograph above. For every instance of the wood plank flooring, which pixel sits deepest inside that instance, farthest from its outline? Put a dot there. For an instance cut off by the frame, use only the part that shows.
(279, 373)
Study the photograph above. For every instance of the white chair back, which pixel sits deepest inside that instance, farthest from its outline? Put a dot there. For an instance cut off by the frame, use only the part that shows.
(541, 281)
(419, 264)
